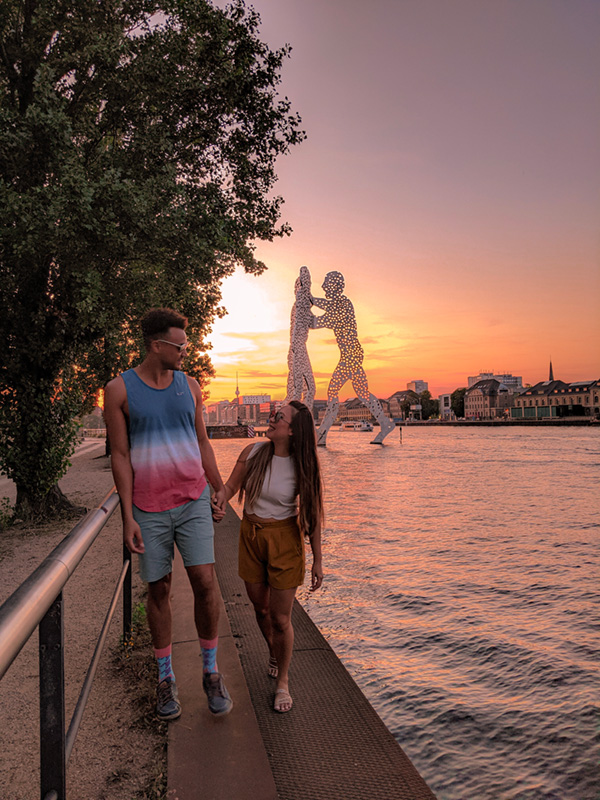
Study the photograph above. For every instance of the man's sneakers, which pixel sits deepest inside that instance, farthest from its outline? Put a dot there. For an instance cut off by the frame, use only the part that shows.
(168, 706)
(167, 702)
(219, 701)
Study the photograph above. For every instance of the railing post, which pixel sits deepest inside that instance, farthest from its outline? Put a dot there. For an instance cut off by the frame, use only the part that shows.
(52, 703)
(127, 597)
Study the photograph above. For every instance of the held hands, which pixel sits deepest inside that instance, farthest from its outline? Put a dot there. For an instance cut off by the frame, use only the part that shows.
(132, 536)
(218, 505)
(316, 576)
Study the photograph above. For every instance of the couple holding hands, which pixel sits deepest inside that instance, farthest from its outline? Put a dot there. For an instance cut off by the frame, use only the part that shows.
(162, 462)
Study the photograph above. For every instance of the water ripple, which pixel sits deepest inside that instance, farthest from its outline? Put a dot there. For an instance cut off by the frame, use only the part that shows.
(462, 588)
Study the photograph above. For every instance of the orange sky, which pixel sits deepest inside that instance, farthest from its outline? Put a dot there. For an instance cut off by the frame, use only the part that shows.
(451, 173)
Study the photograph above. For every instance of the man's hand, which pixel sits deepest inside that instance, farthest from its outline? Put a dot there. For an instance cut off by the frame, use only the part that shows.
(218, 505)
(316, 574)
(132, 536)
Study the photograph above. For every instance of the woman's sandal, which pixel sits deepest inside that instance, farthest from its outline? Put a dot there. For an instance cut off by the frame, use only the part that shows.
(283, 701)
(272, 668)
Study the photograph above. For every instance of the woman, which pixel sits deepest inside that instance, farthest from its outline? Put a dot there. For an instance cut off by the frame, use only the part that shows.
(280, 482)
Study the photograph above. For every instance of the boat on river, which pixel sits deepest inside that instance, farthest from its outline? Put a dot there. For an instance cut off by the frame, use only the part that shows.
(363, 425)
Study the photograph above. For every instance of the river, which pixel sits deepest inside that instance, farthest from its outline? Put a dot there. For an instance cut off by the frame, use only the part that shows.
(462, 592)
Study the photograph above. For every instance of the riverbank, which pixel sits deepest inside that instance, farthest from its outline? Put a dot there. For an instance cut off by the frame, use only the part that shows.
(501, 423)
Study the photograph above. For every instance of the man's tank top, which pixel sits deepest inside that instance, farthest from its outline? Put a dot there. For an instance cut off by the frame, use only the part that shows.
(277, 499)
(165, 456)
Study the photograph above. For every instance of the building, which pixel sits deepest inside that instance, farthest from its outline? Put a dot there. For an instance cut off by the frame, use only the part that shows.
(399, 403)
(249, 413)
(255, 399)
(488, 399)
(513, 382)
(445, 402)
(354, 411)
(223, 413)
(556, 400)
(418, 386)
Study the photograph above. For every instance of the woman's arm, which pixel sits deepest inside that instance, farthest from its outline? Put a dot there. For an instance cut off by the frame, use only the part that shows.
(234, 481)
(316, 572)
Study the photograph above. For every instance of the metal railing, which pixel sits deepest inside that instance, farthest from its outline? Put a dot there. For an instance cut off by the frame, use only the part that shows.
(38, 602)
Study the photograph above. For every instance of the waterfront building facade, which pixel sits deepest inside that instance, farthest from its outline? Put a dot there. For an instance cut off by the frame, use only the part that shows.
(354, 411)
(417, 386)
(488, 399)
(555, 399)
(445, 405)
(398, 402)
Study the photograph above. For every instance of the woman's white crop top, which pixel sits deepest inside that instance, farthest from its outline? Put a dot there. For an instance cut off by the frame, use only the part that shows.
(278, 497)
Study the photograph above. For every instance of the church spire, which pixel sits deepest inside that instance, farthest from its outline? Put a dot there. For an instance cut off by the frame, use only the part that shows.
(551, 373)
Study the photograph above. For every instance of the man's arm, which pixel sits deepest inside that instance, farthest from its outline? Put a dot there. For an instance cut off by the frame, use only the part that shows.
(115, 398)
(209, 462)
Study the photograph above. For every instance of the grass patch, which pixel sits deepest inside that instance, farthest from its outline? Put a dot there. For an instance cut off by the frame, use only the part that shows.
(134, 659)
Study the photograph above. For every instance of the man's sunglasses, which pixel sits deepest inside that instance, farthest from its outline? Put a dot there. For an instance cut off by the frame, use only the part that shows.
(180, 347)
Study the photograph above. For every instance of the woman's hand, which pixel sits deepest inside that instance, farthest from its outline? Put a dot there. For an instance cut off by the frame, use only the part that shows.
(316, 575)
(218, 505)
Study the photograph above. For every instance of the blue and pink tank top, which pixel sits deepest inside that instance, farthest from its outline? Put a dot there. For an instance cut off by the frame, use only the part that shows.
(165, 456)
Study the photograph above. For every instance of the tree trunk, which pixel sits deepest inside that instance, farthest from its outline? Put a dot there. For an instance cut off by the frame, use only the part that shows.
(37, 509)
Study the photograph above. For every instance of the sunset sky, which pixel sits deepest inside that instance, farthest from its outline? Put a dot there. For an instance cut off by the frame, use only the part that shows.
(452, 174)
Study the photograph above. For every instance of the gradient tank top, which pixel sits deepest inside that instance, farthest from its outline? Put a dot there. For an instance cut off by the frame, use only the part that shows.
(164, 450)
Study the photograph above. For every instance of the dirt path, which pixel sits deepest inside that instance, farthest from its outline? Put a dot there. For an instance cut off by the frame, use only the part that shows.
(119, 751)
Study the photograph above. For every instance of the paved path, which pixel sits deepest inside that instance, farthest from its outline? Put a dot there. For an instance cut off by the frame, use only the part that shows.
(331, 746)
(7, 487)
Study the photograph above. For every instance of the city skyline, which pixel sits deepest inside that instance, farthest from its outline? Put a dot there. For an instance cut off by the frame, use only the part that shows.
(435, 395)
(450, 174)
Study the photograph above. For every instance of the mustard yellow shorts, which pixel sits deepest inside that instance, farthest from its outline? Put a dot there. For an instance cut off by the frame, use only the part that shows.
(272, 553)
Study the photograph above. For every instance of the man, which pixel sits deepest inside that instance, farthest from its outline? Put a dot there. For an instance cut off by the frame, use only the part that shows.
(339, 316)
(161, 460)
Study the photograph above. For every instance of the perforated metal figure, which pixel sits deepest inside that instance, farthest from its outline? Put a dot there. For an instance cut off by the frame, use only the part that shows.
(301, 382)
(339, 316)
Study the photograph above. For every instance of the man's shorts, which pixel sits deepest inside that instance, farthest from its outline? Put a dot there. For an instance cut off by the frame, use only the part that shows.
(189, 526)
(272, 553)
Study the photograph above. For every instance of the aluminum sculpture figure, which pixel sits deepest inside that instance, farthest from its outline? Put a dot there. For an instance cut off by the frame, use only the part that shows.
(301, 383)
(339, 316)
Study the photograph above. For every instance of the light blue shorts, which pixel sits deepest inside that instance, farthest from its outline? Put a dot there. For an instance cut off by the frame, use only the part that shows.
(189, 526)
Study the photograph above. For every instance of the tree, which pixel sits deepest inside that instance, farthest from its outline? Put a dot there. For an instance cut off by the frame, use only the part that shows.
(457, 402)
(138, 142)
(429, 407)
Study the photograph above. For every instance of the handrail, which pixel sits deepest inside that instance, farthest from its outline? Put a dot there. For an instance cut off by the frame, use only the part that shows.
(91, 674)
(22, 612)
(38, 602)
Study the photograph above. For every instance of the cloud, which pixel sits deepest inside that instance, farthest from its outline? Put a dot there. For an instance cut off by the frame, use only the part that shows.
(256, 373)
(370, 339)
(258, 336)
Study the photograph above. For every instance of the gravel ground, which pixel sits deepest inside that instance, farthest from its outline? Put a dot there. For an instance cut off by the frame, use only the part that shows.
(120, 751)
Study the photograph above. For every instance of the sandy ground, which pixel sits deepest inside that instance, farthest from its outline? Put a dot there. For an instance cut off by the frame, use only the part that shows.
(118, 751)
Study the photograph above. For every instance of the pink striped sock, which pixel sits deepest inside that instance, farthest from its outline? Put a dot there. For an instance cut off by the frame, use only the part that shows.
(163, 658)
(209, 654)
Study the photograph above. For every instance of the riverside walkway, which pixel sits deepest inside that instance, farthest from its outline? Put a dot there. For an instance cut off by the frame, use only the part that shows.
(331, 746)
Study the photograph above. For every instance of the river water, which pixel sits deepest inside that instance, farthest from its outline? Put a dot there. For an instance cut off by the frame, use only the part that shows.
(462, 592)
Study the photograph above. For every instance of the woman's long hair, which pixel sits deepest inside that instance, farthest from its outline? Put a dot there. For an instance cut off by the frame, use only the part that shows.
(303, 451)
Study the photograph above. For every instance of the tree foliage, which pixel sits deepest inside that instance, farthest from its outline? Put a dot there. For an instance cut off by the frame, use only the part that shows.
(457, 402)
(138, 142)
(429, 407)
